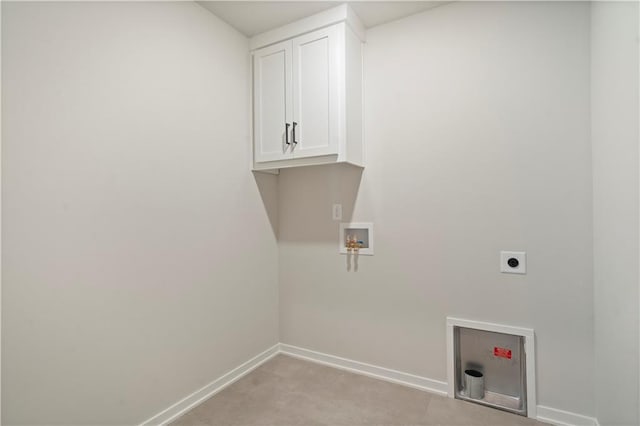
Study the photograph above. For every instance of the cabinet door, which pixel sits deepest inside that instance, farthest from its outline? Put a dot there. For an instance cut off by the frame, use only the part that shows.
(316, 59)
(272, 99)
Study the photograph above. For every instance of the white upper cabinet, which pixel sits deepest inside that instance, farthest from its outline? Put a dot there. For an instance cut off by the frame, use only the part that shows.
(307, 92)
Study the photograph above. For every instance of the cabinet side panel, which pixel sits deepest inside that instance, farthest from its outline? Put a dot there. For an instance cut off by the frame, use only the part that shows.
(353, 57)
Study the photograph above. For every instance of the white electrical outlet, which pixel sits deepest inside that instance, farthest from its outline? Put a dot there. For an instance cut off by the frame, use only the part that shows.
(513, 262)
(337, 212)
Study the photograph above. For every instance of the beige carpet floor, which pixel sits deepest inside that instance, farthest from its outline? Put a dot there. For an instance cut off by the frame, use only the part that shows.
(286, 391)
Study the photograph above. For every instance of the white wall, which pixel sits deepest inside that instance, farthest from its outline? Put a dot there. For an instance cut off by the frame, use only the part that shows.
(139, 263)
(477, 135)
(615, 115)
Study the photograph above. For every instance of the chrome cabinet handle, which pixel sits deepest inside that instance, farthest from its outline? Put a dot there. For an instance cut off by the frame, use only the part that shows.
(286, 133)
(294, 133)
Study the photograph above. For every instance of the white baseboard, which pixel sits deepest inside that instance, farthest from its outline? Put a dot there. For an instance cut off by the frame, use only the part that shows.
(564, 418)
(374, 371)
(544, 414)
(199, 396)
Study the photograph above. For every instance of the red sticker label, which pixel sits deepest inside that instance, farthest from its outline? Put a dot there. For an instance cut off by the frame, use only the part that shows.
(502, 352)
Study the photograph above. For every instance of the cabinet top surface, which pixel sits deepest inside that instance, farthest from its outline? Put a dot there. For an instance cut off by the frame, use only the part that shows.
(256, 17)
(342, 13)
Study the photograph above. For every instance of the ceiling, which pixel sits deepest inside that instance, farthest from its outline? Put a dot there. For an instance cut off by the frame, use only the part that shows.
(255, 17)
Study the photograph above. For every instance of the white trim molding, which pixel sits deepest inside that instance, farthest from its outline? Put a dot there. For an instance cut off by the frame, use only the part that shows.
(386, 374)
(564, 418)
(206, 392)
(529, 349)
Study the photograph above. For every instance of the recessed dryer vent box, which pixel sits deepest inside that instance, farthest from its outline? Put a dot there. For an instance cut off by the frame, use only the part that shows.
(363, 234)
(492, 365)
